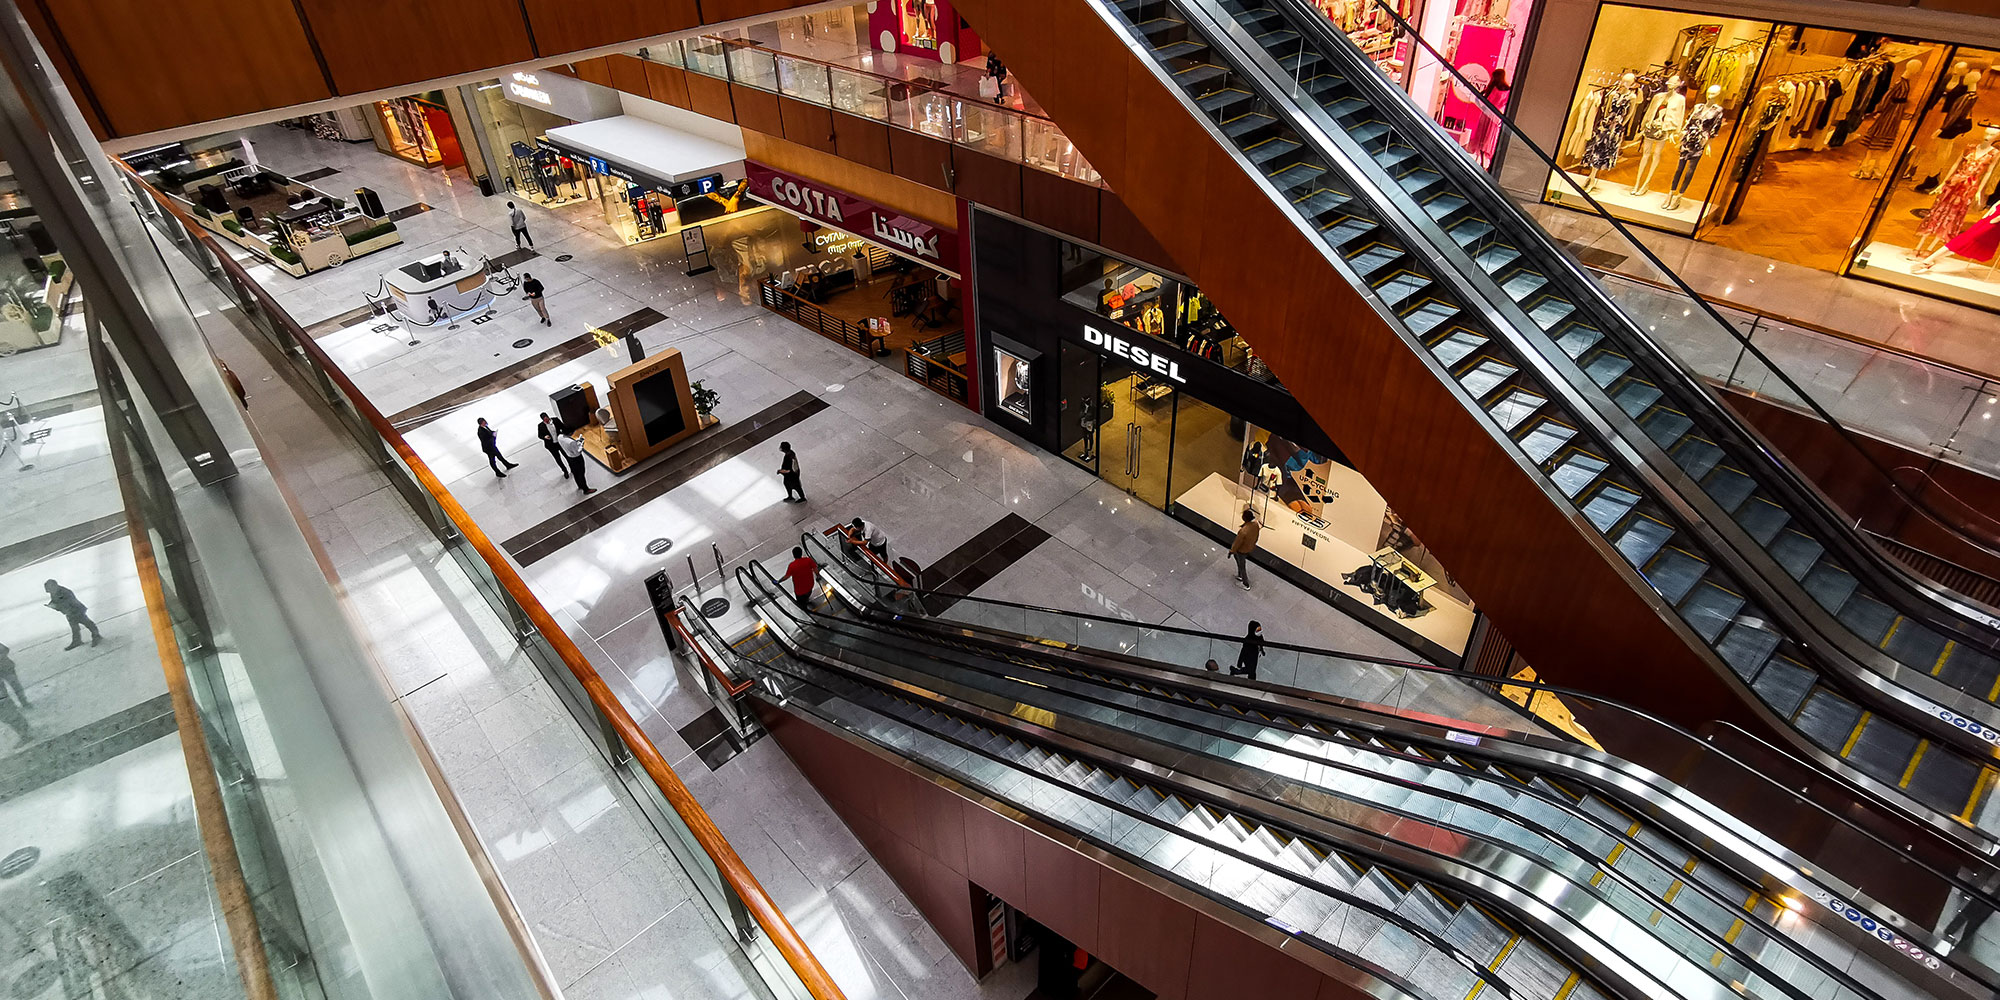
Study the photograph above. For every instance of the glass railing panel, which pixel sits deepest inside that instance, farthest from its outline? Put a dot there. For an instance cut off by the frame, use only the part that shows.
(863, 95)
(670, 52)
(990, 129)
(804, 79)
(705, 55)
(752, 66)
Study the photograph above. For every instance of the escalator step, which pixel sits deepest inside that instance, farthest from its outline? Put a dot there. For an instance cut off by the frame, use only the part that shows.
(1636, 397)
(1427, 315)
(1377, 887)
(1456, 347)
(1281, 36)
(1245, 124)
(1797, 553)
(1308, 909)
(1883, 752)
(1666, 427)
(1729, 487)
(1155, 28)
(1477, 936)
(1943, 781)
(1746, 647)
(1437, 974)
(1532, 971)
(1762, 519)
(1830, 585)
(1343, 106)
(1606, 367)
(1319, 202)
(1550, 312)
(1609, 505)
(1422, 907)
(1828, 720)
(1296, 176)
(1641, 539)
(1401, 286)
(1971, 671)
(1675, 572)
(1576, 471)
(1271, 151)
(1868, 618)
(1470, 231)
(1442, 206)
(1514, 407)
(1185, 48)
(1347, 229)
(1219, 102)
(1374, 257)
(1368, 134)
(1522, 285)
(1494, 258)
(1546, 438)
(1486, 376)
(1578, 339)
(1192, 78)
(1697, 456)
(1916, 644)
(1783, 685)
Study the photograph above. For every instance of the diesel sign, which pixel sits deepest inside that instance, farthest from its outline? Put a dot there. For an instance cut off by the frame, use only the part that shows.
(1122, 348)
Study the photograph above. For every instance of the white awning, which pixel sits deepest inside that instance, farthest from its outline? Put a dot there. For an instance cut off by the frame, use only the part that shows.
(649, 147)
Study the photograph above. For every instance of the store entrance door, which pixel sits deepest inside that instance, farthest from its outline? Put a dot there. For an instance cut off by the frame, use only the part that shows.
(1125, 418)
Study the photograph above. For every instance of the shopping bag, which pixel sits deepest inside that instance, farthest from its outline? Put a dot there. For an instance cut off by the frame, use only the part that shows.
(989, 88)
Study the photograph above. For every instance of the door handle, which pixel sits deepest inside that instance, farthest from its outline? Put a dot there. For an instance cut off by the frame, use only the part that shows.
(1131, 451)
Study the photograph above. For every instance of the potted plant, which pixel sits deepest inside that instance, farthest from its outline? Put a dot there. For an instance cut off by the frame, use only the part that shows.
(705, 402)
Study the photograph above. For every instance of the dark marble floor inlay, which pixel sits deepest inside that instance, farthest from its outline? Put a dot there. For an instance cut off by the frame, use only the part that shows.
(711, 739)
(515, 258)
(979, 559)
(58, 756)
(313, 175)
(522, 370)
(42, 546)
(408, 210)
(704, 452)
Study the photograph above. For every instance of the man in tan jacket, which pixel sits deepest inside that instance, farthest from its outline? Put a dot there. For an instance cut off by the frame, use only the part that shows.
(1245, 543)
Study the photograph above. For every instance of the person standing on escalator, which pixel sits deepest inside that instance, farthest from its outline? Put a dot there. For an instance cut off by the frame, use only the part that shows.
(803, 574)
(1253, 647)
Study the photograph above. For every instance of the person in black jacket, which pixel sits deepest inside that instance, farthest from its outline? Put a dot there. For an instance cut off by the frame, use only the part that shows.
(788, 470)
(489, 443)
(548, 430)
(64, 600)
(1253, 647)
(532, 291)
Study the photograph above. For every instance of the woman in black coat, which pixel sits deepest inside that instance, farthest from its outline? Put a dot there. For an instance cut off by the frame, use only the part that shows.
(1253, 647)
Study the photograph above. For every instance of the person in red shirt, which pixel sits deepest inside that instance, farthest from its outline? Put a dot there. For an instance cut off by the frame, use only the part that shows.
(804, 573)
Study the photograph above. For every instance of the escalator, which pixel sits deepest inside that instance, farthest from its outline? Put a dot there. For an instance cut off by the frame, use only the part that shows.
(1280, 783)
(1885, 682)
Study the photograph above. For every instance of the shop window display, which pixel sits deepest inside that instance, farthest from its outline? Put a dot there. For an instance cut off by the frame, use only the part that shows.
(1481, 40)
(419, 131)
(1148, 303)
(511, 130)
(1368, 23)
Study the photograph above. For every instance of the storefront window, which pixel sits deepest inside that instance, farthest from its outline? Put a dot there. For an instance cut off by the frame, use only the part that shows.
(1481, 40)
(1013, 381)
(1119, 291)
(511, 131)
(1938, 229)
(416, 130)
(1368, 23)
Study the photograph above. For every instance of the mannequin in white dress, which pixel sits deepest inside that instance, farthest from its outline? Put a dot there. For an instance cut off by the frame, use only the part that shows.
(1658, 130)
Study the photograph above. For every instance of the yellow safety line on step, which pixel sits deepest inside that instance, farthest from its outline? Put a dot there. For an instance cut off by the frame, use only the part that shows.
(1891, 634)
(1943, 655)
(1923, 747)
(1995, 693)
(1568, 986)
(1978, 792)
(1855, 736)
(1505, 950)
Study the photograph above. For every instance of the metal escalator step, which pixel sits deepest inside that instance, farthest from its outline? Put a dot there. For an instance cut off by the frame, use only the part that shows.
(1546, 438)
(1609, 505)
(1762, 519)
(1374, 257)
(1916, 644)
(1271, 150)
(1532, 971)
(1422, 907)
(1307, 909)
(1523, 284)
(1944, 781)
(1696, 456)
(1868, 618)
(1674, 572)
(1636, 397)
(1468, 231)
(1194, 77)
(1830, 585)
(1377, 887)
(1710, 609)
(1394, 948)
(1476, 935)
(1486, 376)
(1551, 311)
(1606, 367)
(1495, 258)
(1746, 647)
(1883, 751)
(1828, 720)
(1456, 346)
(1641, 539)
(1576, 471)
(1437, 974)
(1297, 176)
(1729, 487)
(1180, 49)
(1971, 671)
(1443, 206)
(1272, 39)
(1347, 229)
(1340, 107)
(1244, 124)
(1796, 552)
(1318, 202)
(1216, 102)
(1604, 812)
(1514, 407)
(1154, 28)
(1401, 286)
(1783, 684)
(1579, 338)
(1666, 426)
(1334, 871)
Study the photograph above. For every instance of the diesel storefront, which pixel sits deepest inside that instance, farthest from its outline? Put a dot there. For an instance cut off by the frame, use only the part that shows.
(1135, 376)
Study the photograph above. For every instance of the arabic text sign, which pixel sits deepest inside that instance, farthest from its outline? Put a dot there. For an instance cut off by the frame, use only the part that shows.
(922, 240)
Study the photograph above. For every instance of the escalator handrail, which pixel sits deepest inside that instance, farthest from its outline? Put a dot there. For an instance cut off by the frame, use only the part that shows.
(997, 668)
(1973, 861)
(1882, 564)
(674, 616)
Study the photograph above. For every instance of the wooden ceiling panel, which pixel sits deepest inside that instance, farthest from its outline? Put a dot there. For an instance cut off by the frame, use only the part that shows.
(377, 44)
(564, 26)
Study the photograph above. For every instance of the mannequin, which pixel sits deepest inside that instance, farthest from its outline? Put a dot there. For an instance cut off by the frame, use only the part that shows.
(1978, 242)
(1660, 128)
(1607, 135)
(1702, 123)
(1955, 103)
(1962, 188)
(1888, 122)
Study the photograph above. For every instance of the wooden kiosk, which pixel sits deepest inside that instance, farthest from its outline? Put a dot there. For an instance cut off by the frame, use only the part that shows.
(652, 409)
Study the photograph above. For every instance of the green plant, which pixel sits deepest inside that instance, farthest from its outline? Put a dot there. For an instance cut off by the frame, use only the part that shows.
(202, 213)
(56, 269)
(284, 253)
(41, 317)
(705, 399)
(233, 226)
(364, 235)
(277, 178)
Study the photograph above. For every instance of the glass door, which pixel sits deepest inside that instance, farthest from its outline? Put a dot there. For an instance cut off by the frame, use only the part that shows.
(1118, 422)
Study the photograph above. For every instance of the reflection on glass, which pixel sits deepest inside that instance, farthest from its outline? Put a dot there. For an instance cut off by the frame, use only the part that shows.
(752, 67)
(803, 79)
(1012, 383)
(704, 56)
(860, 94)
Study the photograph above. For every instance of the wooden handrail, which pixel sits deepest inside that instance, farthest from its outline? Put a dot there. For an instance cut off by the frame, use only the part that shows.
(847, 534)
(727, 863)
(729, 687)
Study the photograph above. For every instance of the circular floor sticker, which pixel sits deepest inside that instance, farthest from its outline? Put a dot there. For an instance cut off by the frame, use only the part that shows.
(659, 546)
(563, 257)
(524, 341)
(19, 861)
(715, 607)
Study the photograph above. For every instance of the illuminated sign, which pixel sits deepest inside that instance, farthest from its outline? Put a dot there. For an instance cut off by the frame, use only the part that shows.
(1122, 348)
(919, 239)
(528, 87)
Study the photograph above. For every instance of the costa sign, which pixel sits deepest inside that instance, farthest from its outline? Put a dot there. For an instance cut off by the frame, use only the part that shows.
(922, 240)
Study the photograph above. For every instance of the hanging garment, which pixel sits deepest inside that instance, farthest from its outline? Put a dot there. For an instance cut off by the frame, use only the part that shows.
(1979, 241)
(1959, 192)
(1609, 133)
(1882, 134)
(1585, 117)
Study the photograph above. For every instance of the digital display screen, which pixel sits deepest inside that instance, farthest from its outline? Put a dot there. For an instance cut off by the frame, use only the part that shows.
(659, 402)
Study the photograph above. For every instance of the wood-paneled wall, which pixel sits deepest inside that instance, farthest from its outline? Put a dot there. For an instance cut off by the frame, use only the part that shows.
(1569, 608)
(942, 846)
(138, 67)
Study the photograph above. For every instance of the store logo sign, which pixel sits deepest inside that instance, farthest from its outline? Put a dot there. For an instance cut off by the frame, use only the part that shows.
(1122, 348)
(815, 203)
(856, 215)
(528, 87)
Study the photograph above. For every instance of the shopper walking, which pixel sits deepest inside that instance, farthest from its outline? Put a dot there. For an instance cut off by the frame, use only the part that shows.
(572, 449)
(517, 220)
(1253, 647)
(9, 680)
(489, 443)
(64, 600)
(1245, 543)
(12, 716)
(532, 291)
(803, 572)
(550, 432)
(788, 470)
